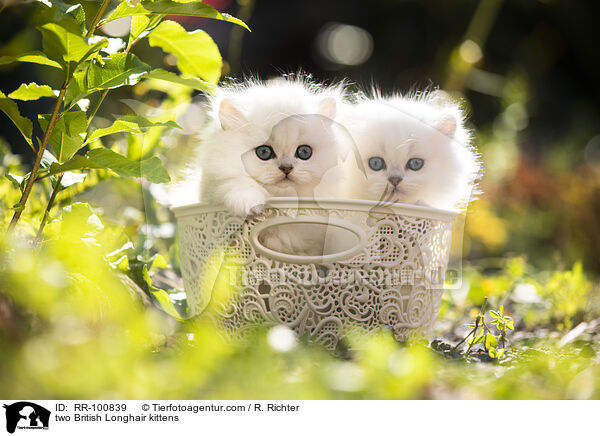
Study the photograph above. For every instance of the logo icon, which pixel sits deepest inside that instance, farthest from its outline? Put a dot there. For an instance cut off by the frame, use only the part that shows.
(26, 415)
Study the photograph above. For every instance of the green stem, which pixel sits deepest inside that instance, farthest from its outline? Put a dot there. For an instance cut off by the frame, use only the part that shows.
(56, 187)
(480, 317)
(97, 18)
(465, 338)
(103, 94)
(55, 190)
(474, 336)
(96, 106)
(38, 159)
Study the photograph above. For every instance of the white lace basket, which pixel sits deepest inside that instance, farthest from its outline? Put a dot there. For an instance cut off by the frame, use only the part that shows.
(388, 272)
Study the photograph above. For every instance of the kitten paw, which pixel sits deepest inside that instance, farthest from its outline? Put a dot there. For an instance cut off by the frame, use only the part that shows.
(256, 210)
(244, 206)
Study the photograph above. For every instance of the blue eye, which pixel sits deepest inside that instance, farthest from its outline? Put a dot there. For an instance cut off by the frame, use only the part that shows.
(265, 152)
(304, 152)
(376, 163)
(415, 163)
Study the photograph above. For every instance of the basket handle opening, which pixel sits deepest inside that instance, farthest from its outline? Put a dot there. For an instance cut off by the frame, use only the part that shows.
(307, 239)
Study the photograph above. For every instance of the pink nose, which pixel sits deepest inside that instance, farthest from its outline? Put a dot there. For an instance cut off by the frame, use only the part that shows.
(286, 170)
(395, 180)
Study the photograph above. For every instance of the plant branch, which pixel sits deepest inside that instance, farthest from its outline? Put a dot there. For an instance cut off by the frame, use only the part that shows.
(55, 190)
(96, 107)
(56, 187)
(97, 18)
(466, 337)
(38, 159)
(474, 336)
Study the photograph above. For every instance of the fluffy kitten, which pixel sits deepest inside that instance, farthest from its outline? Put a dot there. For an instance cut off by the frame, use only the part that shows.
(273, 138)
(414, 150)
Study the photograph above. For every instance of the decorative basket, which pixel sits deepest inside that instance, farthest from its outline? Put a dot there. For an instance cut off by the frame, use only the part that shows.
(388, 273)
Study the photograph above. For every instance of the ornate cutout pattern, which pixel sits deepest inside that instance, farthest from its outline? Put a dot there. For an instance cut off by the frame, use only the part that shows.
(394, 282)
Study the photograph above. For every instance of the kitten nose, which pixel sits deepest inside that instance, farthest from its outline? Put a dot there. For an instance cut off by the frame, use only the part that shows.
(395, 180)
(286, 169)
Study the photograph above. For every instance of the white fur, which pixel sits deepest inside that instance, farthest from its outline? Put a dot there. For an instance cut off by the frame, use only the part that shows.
(284, 114)
(400, 128)
(281, 113)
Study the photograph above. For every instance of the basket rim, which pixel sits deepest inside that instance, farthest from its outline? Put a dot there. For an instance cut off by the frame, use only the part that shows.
(328, 203)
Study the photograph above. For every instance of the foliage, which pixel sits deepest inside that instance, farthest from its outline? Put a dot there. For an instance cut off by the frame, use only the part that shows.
(482, 333)
(91, 66)
(76, 329)
(91, 305)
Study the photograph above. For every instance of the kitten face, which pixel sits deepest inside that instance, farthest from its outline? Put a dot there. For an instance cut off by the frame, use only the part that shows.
(293, 160)
(408, 161)
(267, 139)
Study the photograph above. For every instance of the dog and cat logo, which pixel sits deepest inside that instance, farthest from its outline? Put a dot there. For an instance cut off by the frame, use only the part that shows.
(26, 415)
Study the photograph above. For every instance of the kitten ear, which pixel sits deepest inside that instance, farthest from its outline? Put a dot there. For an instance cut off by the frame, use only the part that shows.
(230, 117)
(328, 107)
(447, 125)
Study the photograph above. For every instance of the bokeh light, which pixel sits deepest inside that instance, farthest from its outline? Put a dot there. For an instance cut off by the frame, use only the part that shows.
(343, 44)
(470, 52)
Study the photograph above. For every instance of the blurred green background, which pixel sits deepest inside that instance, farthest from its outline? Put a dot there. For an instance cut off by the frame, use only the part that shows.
(79, 318)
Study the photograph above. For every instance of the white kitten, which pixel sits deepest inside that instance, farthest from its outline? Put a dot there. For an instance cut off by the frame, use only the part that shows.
(270, 139)
(414, 150)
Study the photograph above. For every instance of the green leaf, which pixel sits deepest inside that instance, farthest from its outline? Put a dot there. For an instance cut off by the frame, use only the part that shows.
(510, 324)
(82, 217)
(159, 261)
(168, 7)
(77, 162)
(77, 88)
(494, 314)
(500, 352)
(67, 135)
(13, 179)
(33, 91)
(102, 158)
(34, 57)
(128, 123)
(120, 69)
(67, 48)
(490, 341)
(117, 70)
(71, 17)
(196, 52)
(142, 25)
(501, 311)
(191, 82)
(162, 297)
(11, 110)
(152, 169)
(475, 340)
(492, 352)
